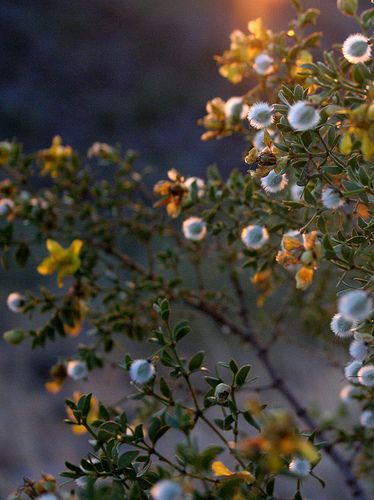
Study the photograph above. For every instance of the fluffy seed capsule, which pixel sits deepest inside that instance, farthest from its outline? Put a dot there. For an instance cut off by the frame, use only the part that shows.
(356, 305)
(342, 327)
(76, 369)
(235, 109)
(141, 371)
(167, 490)
(359, 350)
(347, 394)
(273, 182)
(254, 236)
(15, 302)
(194, 228)
(365, 376)
(331, 198)
(264, 64)
(260, 115)
(222, 392)
(367, 419)
(351, 370)
(200, 185)
(300, 467)
(356, 49)
(303, 116)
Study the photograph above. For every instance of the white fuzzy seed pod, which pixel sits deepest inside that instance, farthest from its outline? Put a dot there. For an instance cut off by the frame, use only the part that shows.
(194, 228)
(141, 371)
(260, 115)
(356, 49)
(254, 236)
(167, 490)
(365, 376)
(356, 305)
(300, 467)
(303, 116)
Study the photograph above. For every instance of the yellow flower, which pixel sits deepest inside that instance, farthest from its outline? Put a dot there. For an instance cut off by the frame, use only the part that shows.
(220, 470)
(55, 156)
(91, 417)
(65, 261)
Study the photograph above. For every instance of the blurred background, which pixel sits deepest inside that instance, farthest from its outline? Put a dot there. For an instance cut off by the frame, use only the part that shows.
(138, 73)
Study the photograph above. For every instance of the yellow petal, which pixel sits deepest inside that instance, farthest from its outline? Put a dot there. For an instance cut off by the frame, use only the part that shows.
(48, 266)
(54, 248)
(76, 247)
(291, 243)
(220, 469)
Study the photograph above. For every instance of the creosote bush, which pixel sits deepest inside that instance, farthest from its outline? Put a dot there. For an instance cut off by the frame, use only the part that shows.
(295, 223)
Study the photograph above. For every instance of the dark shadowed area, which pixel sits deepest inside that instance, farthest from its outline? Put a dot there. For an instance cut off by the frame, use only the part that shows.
(138, 73)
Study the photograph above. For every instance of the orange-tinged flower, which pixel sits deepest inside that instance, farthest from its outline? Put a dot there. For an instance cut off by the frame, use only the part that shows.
(220, 470)
(362, 211)
(91, 417)
(301, 255)
(55, 156)
(173, 193)
(80, 312)
(262, 281)
(58, 374)
(65, 261)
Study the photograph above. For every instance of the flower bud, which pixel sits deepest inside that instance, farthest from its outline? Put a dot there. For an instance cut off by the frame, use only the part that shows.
(14, 336)
(347, 7)
(222, 392)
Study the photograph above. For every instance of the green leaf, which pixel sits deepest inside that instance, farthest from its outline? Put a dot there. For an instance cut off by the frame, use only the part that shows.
(127, 458)
(196, 361)
(181, 330)
(242, 374)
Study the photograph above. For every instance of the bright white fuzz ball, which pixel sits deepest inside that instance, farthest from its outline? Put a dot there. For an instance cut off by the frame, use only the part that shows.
(356, 49)
(300, 467)
(15, 302)
(273, 182)
(346, 394)
(194, 228)
(235, 109)
(264, 64)
(254, 236)
(365, 376)
(141, 371)
(297, 192)
(367, 419)
(351, 370)
(303, 116)
(359, 350)
(356, 305)
(260, 115)
(342, 327)
(47, 496)
(76, 369)
(167, 490)
(6, 206)
(331, 198)
(200, 185)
